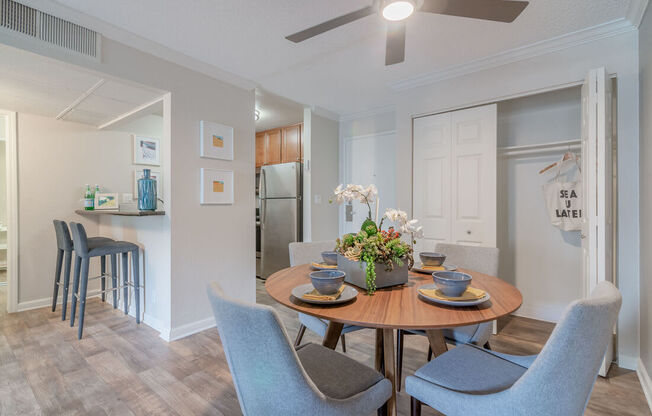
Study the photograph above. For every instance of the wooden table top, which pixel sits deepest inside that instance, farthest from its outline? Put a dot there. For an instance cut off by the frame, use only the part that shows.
(398, 306)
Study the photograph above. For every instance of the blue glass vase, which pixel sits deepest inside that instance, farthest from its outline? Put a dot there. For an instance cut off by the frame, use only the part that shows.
(147, 192)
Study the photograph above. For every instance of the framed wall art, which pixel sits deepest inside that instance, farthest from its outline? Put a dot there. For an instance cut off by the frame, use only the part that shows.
(216, 141)
(147, 151)
(216, 186)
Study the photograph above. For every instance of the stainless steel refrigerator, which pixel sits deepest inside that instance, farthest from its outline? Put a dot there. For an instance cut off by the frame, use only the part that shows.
(280, 190)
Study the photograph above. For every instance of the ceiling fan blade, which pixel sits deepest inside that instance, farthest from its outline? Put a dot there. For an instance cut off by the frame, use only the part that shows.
(395, 47)
(496, 10)
(331, 24)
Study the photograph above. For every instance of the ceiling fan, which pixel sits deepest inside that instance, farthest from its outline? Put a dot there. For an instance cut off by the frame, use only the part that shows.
(396, 11)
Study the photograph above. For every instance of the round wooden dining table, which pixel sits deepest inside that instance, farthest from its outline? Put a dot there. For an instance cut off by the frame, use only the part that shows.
(397, 307)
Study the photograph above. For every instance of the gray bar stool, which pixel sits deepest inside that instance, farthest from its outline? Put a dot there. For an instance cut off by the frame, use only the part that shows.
(64, 258)
(83, 253)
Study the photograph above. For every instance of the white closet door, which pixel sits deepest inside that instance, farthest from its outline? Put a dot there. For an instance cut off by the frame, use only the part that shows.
(432, 179)
(597, 164)
(473, 167)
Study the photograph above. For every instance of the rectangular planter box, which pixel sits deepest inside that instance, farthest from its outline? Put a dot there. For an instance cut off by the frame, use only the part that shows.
(355, 274)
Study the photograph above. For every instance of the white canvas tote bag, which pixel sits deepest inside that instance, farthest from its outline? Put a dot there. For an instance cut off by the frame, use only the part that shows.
(564, 201)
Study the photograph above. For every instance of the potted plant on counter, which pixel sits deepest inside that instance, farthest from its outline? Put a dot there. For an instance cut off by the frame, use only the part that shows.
(375, 258)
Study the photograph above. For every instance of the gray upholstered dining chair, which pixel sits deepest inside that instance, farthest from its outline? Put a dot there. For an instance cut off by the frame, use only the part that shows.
(469, 380)
(271, 378)
(306, 253)
(480, 259)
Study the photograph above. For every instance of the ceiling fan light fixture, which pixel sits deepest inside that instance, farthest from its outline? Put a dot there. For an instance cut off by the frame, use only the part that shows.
(396, 10)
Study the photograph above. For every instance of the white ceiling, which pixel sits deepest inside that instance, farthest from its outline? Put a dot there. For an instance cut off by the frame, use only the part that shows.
(34, 84)
(343, 70)
(276, 111)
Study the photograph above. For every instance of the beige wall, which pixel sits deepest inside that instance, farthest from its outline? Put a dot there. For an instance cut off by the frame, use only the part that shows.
(322, 134)
(645, 62)
(55, 160)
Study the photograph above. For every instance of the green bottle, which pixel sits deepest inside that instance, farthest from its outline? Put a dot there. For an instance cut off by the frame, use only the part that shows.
(89, 199)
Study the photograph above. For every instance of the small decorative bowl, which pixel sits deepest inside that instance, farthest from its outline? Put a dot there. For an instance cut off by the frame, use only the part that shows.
(432, 259)
(327, 282)
(330, 257)
(451, 284)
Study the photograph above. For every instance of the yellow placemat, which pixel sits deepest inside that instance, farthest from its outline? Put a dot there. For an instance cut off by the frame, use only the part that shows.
(324, 265)
(433, 268)
(471, 293)
(314, 295)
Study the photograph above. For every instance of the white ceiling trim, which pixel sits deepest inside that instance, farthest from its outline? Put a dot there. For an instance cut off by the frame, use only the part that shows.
(636, 11)
(605, 30)
(322, 112)
(80, 99)
(368, 113)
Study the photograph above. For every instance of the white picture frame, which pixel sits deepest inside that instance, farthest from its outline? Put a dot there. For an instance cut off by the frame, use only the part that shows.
(155, 174)
(147, 151)
(216, 141)
(106, 201)
(216, 187)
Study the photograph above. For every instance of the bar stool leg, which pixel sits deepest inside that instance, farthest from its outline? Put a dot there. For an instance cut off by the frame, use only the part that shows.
(125, 281)
(57, 278)
(82, 295)
(103, 272)
(136, 266)
(114, 279)
(75, 287)
(66, 283)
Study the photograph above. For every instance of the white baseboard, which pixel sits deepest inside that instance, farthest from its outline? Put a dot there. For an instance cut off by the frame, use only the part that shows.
(43, 302)
(189, 329)
(646, 383)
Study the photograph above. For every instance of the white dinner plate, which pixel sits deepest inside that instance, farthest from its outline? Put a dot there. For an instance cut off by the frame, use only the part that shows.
(483, 299)
(348, 294)
(449, 268)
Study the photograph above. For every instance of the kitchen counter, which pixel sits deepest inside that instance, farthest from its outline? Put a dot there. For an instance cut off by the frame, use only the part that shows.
(124, 213)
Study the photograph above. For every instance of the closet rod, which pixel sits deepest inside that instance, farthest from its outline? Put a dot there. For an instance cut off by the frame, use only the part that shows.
(530, 149)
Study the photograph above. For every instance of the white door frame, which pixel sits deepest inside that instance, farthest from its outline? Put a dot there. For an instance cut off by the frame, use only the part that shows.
(12, 210)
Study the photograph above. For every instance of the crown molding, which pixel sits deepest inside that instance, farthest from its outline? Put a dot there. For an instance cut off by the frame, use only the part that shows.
(368, 113)
(132, 40)
(569, 40)
(322, 112)
(636, 11)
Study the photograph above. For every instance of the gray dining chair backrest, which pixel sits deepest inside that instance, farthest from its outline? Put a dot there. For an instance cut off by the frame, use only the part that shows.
(562, 376)
(79, 239)
(308, 251)
(267, 373)
(64, 241)
(479, 259)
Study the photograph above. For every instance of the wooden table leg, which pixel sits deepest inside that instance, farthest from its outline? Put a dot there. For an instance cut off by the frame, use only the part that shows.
(390, 368)
(333, 333)
(380, 356)
(437, 341)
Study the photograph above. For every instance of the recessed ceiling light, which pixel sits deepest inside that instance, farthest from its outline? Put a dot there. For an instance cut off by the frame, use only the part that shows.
(395, 10)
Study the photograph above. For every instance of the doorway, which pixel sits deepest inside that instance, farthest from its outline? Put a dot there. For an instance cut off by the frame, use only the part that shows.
(8, 212)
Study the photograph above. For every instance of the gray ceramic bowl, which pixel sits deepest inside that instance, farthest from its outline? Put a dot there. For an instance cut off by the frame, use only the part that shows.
(327, 282)
(330, 257)
(451, 283)
(432, 259)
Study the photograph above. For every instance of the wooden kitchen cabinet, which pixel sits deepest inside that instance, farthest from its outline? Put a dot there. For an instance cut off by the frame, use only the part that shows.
(260, 149)
(291, 143)
(273, 147)
(280, 145)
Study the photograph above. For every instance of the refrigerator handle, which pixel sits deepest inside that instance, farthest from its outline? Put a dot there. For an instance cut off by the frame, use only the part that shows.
(262, 191)
(263, 220)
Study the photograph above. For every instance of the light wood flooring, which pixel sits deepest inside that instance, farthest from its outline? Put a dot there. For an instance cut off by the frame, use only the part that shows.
(120, 368)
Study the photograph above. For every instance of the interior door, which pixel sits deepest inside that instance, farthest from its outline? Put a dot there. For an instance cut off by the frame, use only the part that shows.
(432, 179)
(597, 168)
(369, 160)
(454, 177)
(473, 168)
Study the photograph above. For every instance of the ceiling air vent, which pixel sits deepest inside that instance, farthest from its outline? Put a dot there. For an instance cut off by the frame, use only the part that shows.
(37, 24)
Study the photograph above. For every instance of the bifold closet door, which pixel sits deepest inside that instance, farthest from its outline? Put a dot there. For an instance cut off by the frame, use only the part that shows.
(454, 177)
